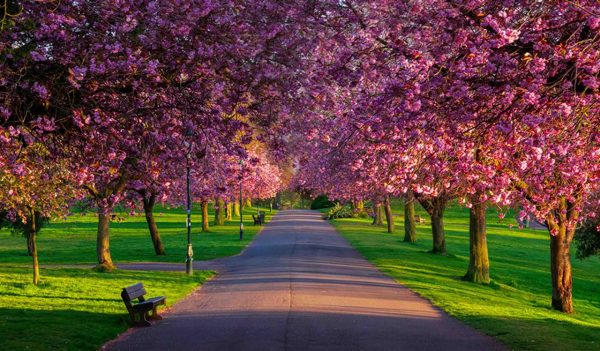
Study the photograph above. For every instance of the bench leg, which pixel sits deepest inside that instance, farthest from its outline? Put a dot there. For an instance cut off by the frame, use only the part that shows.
(132, 316)
(155, 316)
(143, 320)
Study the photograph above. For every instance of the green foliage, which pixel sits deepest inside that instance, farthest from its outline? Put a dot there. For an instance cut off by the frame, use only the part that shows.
(362, 214)
(291, 199)
(515, 306)
(340, 211)
(346, 211)
(320, 202)
(76, 309)
(18, 227)
(588, 239)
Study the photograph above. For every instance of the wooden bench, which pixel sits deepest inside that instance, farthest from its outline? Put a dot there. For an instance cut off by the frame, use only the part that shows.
(419, 219)
(143, 306)
(257, 220)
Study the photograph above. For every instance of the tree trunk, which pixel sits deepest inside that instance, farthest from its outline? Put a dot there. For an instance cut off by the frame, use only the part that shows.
(217, 212)
(437, 230)
(479, 264)
(247, 203)
(30, 244)
(236, 208)
(435, 207)
(377, 213)
(220, 211)
(105, 262)
(410, 227)
(278, 200)
(34, 256)
(31, 229)
(560, 265)
(229, 209)
(159, 248)
(388, 215)
(205, 226)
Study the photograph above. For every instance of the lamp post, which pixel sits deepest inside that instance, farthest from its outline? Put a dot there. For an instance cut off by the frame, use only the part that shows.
(241, 200)
(189, 268)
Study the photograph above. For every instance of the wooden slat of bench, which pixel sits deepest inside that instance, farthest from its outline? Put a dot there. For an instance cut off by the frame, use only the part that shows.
(157, 299)
(135, 291)
(149, 304)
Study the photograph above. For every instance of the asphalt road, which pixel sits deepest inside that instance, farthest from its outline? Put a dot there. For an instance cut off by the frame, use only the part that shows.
(300, 286)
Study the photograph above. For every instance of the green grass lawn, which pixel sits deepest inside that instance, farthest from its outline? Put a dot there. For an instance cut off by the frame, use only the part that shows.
(73, 241)
(80, 309)
(515, 307)
(75, 309)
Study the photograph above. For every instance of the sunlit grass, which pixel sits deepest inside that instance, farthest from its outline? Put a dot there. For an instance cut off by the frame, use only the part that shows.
(79, 309)
(75, 309)
(73, 241)
(515, 307)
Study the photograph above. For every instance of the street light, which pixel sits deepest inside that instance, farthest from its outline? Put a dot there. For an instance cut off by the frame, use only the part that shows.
(189, 268)
(241, 202)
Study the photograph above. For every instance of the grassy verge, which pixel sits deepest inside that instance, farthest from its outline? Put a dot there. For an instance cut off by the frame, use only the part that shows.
(73, 241)
(515, 307)
(79, 309)
(75, 309)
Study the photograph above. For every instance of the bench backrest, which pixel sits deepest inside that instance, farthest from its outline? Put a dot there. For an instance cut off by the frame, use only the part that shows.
(136, 291)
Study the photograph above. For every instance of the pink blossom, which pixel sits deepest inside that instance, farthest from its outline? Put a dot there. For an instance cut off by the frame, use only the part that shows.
(40, 90)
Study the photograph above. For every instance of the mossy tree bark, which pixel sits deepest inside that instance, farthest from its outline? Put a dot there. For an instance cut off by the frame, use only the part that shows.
(105, 262)
(479, 264)
(388, 214)
(220, 209)
(236, 208)
(377, 213)
(205, 225)
(561, 226)
(149, 202)
(229, 208)
(560, 265)
(435, 207)
(410, 226)
(562, 230)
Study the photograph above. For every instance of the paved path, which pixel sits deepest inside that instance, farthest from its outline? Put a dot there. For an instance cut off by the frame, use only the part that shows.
(300, 286)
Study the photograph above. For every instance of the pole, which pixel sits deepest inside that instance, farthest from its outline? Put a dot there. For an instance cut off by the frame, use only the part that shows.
(241, 209)
(189, 268)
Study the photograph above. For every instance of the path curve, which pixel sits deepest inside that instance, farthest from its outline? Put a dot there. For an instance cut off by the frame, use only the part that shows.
(300, 286)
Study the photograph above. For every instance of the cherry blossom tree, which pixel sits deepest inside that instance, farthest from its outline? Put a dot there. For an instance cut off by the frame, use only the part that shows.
(509, 91)
(37, 188)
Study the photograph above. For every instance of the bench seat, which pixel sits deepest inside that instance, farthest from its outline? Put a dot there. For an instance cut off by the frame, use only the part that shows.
(143, 306)
(154, 301)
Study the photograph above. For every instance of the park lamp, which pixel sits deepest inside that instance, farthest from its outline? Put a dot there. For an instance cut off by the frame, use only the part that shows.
(189, 268)
(241, 201)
